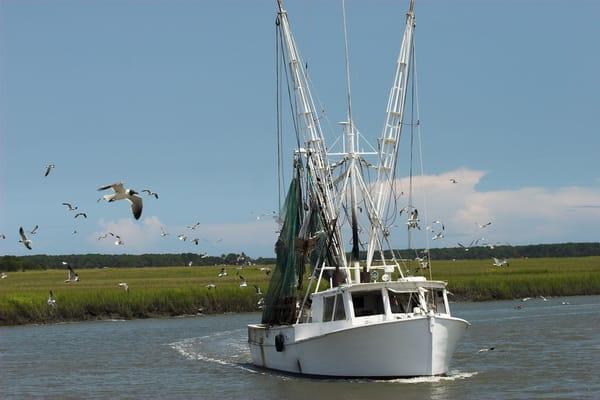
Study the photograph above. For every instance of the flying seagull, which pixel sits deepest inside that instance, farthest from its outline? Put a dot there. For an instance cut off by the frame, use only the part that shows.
(71, 206)
(162, 232)
(118, 242)
(485, 349)
(193, 227)
(195, 241)
(481, 226)
(103, 236)
(150, 193)
(51, 300)
(48, 169)
(453, 180)
(258, 291)
(121, 193)
(3, 275)
(500, 262)
(2, 236)
(124, 285)
(71, 275)
(74, 232)
(181, 236)
(26, 242)
(84, 215)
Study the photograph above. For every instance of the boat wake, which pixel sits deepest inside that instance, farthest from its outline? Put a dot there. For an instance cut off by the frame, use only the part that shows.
(452, 376)
(224, 348)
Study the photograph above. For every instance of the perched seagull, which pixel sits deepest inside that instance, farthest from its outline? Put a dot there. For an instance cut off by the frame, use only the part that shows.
(525, 299)
(453, 180)
(485, 349)
(84, 215)
(26, 242)
(193, 227)
(500, 262)
(222, 273)
(49, 168)
(34, 230)
(150, 193)
(258, 291)
(413, 220)
(565, 303)
(51, 300)
(481, 226)
(543, 298)
(71, 206)
(3, 275)
(124, 285)
(71, 275)
(211, 286)
(195, 241)
(121, 193)
(243, 282)
(181, 236)
(163, 233)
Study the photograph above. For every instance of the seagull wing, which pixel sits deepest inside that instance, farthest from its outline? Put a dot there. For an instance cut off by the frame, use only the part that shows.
(22, 234)
(48, 168)
(136, 205)
(117, 187)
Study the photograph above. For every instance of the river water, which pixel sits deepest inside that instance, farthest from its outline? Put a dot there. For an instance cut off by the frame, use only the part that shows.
(545, 350)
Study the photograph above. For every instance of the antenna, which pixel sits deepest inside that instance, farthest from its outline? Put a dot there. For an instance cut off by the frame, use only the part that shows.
(347, 67)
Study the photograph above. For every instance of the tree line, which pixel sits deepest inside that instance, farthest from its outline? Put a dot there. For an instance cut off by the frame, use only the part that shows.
(43, 261)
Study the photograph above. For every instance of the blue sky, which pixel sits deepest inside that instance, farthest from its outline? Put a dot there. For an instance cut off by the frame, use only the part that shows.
(178, 96)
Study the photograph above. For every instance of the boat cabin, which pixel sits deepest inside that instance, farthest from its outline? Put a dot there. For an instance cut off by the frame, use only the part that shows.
(381, 301)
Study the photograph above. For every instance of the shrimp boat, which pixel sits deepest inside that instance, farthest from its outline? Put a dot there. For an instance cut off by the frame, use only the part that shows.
(358, 312)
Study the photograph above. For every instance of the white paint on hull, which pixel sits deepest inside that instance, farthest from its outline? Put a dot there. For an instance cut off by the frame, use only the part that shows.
(417, 346)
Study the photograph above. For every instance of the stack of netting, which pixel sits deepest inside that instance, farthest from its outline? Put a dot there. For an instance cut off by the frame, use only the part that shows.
(280, 300)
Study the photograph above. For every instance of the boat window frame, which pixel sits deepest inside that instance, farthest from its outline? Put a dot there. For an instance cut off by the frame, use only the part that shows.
(380, 303)
(413, 299)
(333, 308)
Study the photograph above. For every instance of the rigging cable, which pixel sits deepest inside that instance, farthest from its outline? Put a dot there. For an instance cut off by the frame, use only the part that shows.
(427, 240)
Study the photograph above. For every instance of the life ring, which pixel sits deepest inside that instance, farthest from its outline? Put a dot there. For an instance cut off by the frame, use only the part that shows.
(279, 339)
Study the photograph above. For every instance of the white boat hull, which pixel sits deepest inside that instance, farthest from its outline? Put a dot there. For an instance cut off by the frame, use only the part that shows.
(418, 346)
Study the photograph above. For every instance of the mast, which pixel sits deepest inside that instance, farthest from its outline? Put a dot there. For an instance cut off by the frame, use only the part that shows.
(392, 131)
(316, 156)
(352, 148)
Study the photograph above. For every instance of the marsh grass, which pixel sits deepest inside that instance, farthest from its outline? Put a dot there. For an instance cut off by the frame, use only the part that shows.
(171, 291)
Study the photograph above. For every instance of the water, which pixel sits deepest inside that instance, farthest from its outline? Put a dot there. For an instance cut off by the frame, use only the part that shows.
(544, 350)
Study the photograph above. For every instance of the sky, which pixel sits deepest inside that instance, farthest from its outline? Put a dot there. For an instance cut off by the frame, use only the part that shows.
(178, 96)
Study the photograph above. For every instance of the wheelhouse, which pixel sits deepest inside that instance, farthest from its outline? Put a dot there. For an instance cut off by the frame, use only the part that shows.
(406, 298)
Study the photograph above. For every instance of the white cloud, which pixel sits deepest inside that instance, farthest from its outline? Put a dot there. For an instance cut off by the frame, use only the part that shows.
(522, 215)
(137, 236)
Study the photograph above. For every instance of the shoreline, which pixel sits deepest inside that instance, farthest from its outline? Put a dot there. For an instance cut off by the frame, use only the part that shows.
(165, 315)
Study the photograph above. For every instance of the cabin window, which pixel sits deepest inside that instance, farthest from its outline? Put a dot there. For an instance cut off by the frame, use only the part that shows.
(403, 303)
(333, 308)
(435, 301)
(367, 303)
